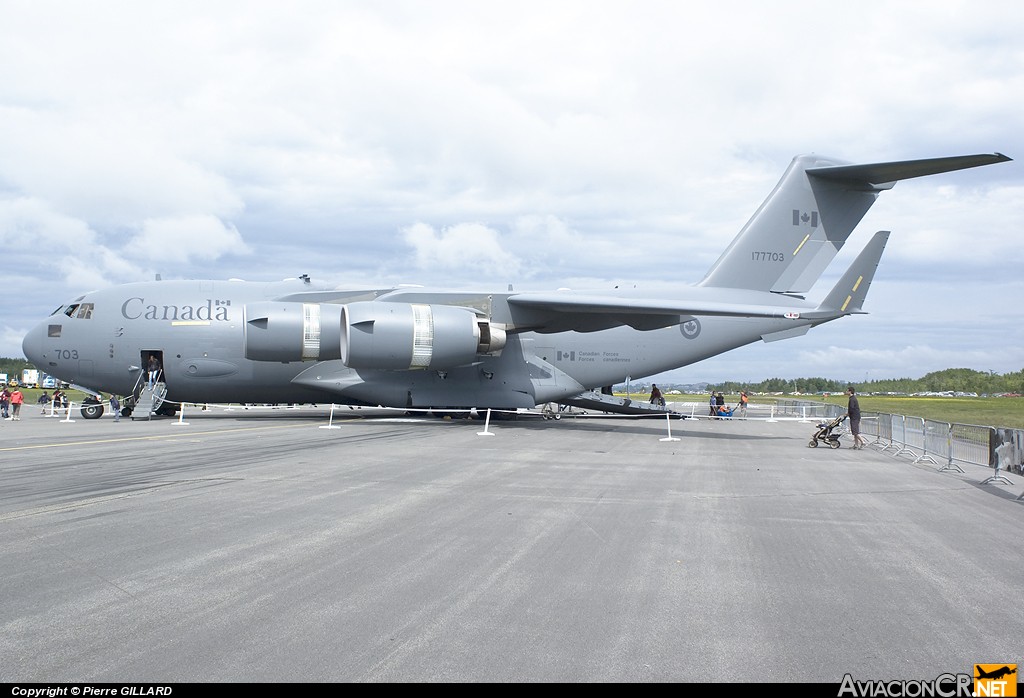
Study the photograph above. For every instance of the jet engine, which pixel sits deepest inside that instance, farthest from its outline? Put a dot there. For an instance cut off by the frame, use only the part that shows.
(281, 331)
(401, 336)
(369, 334)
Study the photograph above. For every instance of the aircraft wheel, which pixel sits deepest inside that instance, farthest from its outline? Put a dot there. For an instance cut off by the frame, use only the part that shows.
(92, 411)
(834, 444)
(126, 411)
(813, 443)
(503, 416)
(452, 414)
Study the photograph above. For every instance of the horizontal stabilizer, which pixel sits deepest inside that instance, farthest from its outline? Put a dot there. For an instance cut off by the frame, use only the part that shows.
(847, 297)
(885, 172)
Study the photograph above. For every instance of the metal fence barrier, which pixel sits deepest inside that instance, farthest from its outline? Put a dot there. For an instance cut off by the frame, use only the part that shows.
(945, 444)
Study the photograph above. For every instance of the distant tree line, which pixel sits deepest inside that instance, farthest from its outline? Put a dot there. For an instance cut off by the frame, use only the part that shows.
(12, 367)
(963, 380)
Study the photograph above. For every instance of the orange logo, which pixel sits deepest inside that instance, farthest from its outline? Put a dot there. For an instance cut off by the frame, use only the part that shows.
(999, 680)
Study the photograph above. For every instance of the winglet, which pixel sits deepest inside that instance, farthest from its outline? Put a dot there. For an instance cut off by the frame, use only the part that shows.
(847, 297)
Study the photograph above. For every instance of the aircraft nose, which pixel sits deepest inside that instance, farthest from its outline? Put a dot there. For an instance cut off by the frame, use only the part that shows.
(32, 345)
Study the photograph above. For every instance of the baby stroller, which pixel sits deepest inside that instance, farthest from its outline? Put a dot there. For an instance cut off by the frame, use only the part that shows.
(828, 432)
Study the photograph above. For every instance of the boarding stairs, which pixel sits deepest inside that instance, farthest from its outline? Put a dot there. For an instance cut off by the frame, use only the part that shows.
(149, 400)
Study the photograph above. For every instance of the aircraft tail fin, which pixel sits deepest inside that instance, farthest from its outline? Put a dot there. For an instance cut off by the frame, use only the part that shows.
(808, 217)
(847, 296)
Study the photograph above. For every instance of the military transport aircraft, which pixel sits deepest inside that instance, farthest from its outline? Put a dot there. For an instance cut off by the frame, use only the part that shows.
(297, 342)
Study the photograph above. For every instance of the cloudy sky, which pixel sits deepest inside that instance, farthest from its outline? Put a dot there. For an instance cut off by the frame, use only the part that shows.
(548, 144)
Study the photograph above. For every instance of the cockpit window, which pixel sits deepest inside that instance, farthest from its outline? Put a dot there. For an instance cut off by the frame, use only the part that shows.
(82, 311)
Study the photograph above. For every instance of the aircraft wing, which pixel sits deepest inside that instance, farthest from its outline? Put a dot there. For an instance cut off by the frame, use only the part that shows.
(880, 174)
(593, 400)
(562, 312)
(334, 296)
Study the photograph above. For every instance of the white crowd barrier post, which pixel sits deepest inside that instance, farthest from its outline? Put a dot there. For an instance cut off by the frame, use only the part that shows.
(668, 425)
(772, 417)
(487, 424)
(181, 416)
(330, 422)
(67, 417)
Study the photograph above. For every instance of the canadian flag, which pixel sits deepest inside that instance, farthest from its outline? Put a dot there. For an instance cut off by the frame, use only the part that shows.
(803, 218)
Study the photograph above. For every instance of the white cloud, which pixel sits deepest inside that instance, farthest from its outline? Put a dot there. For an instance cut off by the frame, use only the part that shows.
(109, 169)
(28, 224)
(897, 362)
(184, 238)
(575, 144)
(50, 248)
(472, 249)
(963, 226)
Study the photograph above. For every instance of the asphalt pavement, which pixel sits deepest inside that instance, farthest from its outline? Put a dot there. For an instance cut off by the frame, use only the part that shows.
(289, 545)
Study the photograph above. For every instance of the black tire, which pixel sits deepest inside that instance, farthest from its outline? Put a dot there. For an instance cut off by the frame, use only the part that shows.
(126, 411)
(834, 444)
(503, 416)
(167, 410)
(92, 410)
(813, 443)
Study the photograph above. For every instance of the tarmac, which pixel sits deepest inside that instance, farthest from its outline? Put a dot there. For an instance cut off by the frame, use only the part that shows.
(290, 545)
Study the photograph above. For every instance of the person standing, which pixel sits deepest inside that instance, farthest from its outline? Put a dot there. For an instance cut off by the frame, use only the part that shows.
(153, 369)
(5, 403)
(16, 401)
(656, 397)
(743, 403)
(115, 407)
(853, 413)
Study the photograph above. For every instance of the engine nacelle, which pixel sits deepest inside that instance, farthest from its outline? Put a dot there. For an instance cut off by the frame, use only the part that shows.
(401, 336)
(279, 331)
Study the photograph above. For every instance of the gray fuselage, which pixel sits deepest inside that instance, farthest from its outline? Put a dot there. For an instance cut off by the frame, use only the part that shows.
(101, 341)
